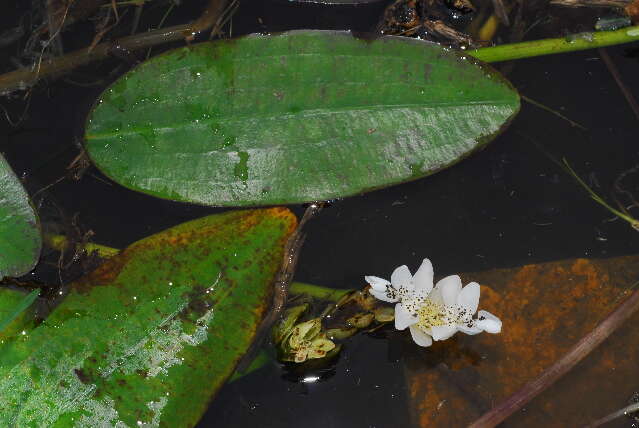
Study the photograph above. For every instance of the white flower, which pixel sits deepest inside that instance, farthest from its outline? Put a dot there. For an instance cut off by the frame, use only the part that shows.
(433, 313)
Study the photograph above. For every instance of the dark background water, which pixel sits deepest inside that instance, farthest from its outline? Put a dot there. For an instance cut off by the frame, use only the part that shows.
(507, 205)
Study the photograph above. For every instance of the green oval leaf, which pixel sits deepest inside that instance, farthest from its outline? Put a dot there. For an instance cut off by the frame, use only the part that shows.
(296, 117)
(150, 336)
(20, 239)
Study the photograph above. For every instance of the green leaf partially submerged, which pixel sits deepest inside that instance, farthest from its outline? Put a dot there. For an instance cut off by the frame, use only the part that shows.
(13, 306)
(150, 336)
(296, 117)
(20, 240)
(16, 313)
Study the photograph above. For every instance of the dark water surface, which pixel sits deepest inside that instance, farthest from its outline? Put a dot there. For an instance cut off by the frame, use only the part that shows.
(507, 205)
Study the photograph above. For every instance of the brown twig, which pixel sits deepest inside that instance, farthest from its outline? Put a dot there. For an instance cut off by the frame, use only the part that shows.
(103, 27)
(25, 78)
(632, 101)
(282, 282)
(501, 11)
(632, 10)
(443, 30)
(136, 17)
(591, 3)
(56, 16)
(224, 18)
(209, 17)
(562, 366)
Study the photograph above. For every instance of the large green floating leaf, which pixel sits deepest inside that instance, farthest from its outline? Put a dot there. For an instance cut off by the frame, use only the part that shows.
(150, 336)
(296, 117)
(20, 240)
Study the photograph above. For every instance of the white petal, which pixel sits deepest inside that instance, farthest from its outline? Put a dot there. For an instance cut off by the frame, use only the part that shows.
(488, 322)
(450, 288)
(377, 283)
(436, 296)
(421, 338)
(469, 330)
(468, 298)
(401, 278)
(403, 318)
(423, 278)
(443, 332)
(383, 295)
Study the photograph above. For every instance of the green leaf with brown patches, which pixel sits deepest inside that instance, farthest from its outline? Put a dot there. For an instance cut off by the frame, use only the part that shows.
(296, 117)
(20, 240)
(151, 335)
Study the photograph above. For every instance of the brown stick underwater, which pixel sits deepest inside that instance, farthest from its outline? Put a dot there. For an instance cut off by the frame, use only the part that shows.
(26, 78)
(562, 366)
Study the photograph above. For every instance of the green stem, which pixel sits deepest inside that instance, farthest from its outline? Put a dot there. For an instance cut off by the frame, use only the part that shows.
(60, 242)
(575, 42)
(601, 201)
(317, 291)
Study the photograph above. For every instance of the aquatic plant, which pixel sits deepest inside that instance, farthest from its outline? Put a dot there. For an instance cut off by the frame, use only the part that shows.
(433, 313)
(20, 239)
(622, 213)
(302, 341)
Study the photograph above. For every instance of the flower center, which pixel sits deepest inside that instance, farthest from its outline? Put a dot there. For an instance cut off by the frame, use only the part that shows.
(432, 314)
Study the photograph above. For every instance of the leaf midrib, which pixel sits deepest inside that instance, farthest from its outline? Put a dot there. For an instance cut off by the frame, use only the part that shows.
(283, 116)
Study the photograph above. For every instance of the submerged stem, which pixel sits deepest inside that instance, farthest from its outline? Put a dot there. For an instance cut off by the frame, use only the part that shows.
(562, 366)
(632, 221)
(26, 78)
(60, 242)
(318, 292)
(614, 415)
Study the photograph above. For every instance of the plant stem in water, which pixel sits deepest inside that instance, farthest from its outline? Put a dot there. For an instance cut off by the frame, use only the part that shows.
(614, 415)
(578, 352)
(26, 78)
(632, 102)
(575, 42)
(60, 242)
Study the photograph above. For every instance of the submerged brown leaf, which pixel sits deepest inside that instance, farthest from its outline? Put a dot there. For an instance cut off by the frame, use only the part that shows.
(546, 309)
(632, 10)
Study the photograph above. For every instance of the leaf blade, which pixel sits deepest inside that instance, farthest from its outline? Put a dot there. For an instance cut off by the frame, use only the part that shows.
(298, 117)
(20, 239)
(18, 308)
(154, 332)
